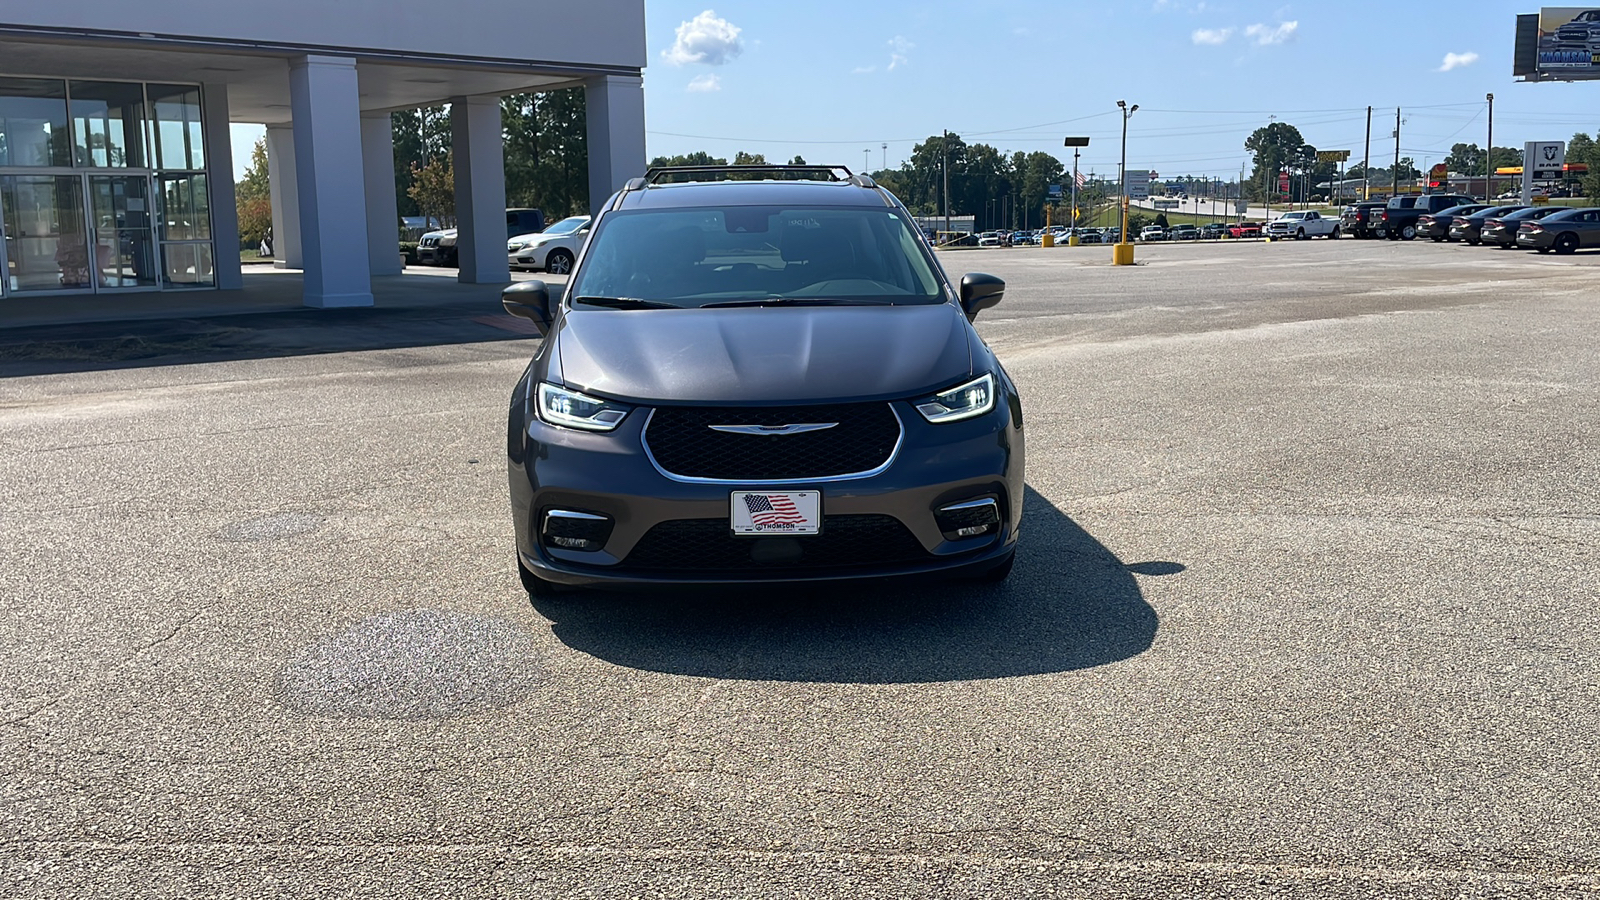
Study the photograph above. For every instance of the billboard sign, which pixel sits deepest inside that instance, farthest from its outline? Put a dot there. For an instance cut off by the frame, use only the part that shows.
(1545, 158)
(1333, 156)
(1053, 193)
(1138, 185)
(1569, 43)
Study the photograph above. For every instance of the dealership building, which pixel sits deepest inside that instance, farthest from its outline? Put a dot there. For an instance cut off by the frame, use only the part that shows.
(116, 169)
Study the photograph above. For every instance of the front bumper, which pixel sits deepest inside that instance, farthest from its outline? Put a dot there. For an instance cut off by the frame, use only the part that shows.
(610, 475)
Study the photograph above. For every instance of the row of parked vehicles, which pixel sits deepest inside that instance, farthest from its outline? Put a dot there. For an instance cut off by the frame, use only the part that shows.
(1150, 233)
(1455, 217)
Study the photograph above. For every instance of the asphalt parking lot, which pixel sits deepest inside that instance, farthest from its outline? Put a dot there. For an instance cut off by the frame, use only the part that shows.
(1305, 608)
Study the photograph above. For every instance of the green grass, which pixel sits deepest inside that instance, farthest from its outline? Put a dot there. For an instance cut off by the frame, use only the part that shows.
(1109, 217)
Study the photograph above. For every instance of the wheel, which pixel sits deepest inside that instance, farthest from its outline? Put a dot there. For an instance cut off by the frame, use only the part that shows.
(1299, 234)
(1473, 239)
(559, 262)
(1334, 234)
(1000, 571)
(1542, 249)
(1438, 240)
(1408, 233)
(1566, 242)
(452, 258)
(535, 586)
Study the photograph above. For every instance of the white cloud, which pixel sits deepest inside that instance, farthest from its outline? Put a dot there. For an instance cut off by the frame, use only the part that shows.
(705, 39)
(899, 48)
(1457, 60)
(705, 84)
(1212, 36)
(863, 70)
(1266, 35)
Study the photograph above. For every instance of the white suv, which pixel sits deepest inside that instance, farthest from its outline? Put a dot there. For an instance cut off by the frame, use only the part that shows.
(553, 249)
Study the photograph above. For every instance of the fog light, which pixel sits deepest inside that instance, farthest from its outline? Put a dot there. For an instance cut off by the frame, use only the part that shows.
(568, 529)
(972, 518)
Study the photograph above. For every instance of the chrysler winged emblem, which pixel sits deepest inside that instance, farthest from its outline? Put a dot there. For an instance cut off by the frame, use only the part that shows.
(773, 429)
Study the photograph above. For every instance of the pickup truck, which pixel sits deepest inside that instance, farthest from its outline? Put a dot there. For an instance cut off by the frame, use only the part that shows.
(1398, 220)
(1353, 219)
(1303, 226)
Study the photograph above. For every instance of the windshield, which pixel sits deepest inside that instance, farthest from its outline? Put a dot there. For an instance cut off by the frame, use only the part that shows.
(567, 225)
(711, 255)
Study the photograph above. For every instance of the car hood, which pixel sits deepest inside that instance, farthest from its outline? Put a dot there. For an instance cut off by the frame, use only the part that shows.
(763, 354)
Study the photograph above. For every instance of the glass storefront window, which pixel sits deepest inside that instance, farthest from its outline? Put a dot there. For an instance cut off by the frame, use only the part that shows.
(176, 138)
(108, 124)
(46, 248)
(188, 265)
(185, 208)
(33, 123)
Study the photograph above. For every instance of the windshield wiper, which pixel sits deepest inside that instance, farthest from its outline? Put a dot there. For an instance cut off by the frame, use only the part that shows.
(797, 301)
(625, 303)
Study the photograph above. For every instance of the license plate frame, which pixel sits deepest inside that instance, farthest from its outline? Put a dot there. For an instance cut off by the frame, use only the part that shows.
(791, 514)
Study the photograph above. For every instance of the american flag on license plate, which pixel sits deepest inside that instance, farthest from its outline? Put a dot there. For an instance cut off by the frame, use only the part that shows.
(772, 509)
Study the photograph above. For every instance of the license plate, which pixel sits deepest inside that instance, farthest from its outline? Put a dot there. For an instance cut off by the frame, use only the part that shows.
(776, 512)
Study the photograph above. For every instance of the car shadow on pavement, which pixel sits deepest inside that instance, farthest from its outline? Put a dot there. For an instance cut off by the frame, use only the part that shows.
(1069, 604)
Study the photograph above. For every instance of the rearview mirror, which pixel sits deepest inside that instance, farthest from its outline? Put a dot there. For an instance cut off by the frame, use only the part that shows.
(529, 300)
(979, 292)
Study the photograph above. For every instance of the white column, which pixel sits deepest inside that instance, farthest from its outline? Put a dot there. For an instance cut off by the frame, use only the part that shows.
(478, 154)
(285, 185)
(383, 213)
(325, 101)
(219, 187)
(615, 116)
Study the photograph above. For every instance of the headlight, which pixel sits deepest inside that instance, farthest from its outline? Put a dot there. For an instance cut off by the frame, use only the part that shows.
(514, 246)
(570, 409)
(974, 398)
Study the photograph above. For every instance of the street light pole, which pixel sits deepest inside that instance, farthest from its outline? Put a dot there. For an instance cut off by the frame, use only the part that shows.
(1488, 157)
(1122, 254)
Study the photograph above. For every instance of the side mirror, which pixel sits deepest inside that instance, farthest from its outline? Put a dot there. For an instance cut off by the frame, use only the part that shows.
(531, 301)
(979, 292)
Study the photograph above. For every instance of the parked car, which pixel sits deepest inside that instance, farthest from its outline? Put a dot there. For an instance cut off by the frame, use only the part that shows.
(1563, 232)
(1245, 230)
(1399, 216)
(1303, 225)
(1111, 235)
(438, 248)
(1213, 230)
(553, 249)
(1469, 229)
(755, 382)
(1184, 233)
(989, 239)
(1436, 226)
(1091, 236)
(1353, 218)
(1152, 233)
(1502, 230)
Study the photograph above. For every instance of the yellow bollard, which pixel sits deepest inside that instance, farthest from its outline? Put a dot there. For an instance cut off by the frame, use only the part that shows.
(1122, 254)
(1048, 240)
(1072, 240)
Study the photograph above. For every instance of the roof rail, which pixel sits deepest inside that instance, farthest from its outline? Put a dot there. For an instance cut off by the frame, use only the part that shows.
(682, 174)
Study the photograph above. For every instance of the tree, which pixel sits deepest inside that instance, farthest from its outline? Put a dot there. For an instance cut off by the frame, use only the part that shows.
(253, 197)
(742, 158)
(798, 160)
(433, 187)
(697, 158)
(1585, 150)
(1465, 159)
(547, 151)
(1273, 145)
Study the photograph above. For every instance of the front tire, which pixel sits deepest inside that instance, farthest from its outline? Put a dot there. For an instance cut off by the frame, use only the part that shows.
(559, 262)
(1408, 233)
(1334, 234)
(537, 587)
(1299, 234)
(999, 572)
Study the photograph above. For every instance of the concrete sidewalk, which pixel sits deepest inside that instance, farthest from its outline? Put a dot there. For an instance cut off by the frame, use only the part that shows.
(422, 307)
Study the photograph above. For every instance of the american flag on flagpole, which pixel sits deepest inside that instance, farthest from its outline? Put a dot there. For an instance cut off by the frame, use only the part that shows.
(1078, 177)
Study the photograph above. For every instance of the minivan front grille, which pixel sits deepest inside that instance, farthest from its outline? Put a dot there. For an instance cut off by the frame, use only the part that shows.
(861, 438)
(845, 542)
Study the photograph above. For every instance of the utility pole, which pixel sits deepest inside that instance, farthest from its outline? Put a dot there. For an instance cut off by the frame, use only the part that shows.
(944, 145)
(1396, 191)
(866, 160)
(1488, 158)
(1366, 161)
(886, 156)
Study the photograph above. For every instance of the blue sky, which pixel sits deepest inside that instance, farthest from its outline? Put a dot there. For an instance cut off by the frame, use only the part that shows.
(828, 79)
